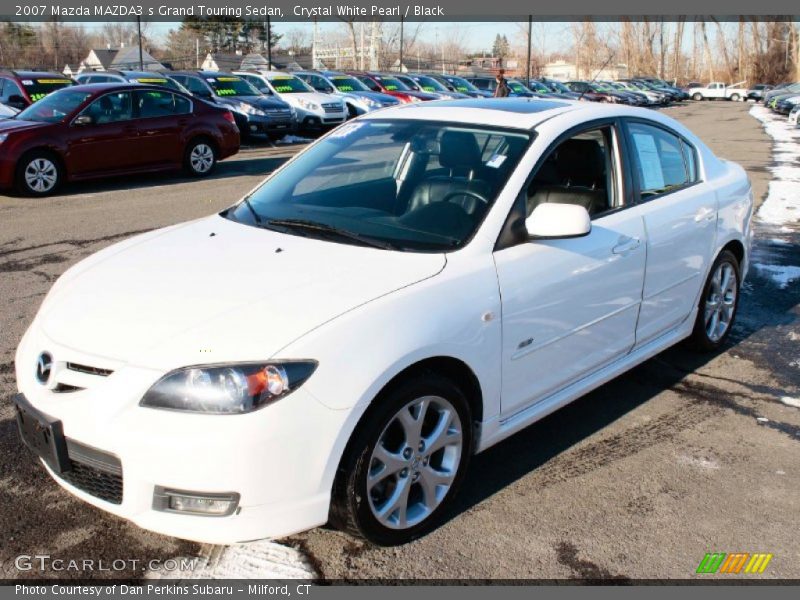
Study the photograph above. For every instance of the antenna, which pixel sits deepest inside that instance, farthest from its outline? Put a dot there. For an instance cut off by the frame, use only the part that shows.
(596, 75)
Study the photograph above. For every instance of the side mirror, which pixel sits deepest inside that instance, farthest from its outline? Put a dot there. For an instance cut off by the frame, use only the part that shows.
(81, 120)
(17, 101)
(328, 90)
(554, 221)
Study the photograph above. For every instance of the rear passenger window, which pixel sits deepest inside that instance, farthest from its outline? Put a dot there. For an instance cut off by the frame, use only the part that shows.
(664, 162)
(160, 104)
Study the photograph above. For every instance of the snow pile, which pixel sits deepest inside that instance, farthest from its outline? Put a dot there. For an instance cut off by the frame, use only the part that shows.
(782, 206)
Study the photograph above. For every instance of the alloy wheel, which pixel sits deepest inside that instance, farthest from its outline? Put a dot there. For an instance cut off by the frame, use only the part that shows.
(41, 175)
(201, 158)
(721, 301)
(415, 462)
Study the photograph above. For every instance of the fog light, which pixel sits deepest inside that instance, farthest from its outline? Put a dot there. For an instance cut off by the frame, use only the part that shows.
(253, 127)
(195, 503)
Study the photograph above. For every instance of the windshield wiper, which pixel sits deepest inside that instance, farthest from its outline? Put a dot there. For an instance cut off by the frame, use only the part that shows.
(252, 210)
(313, 226)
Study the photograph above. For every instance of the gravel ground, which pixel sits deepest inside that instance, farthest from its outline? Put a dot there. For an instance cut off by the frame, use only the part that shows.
(686, 454)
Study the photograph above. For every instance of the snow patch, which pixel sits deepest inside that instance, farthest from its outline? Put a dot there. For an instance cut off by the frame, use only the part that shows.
(703, 463)
(254, 560)
(789, 401)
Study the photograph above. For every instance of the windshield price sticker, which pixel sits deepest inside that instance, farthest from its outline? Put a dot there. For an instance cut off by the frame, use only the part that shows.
(346, 130)
(496, 160)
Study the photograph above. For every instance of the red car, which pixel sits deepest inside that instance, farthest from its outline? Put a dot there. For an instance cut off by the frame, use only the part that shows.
(20, 89)
(387, 84)
(91, 131)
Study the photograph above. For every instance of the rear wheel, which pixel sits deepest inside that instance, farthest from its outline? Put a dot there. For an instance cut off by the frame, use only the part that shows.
(200, 158)
(39, 173)
(718, 304)
(735, 97)
(405, 462)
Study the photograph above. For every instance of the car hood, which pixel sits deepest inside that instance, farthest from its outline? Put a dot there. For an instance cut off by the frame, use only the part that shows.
(257, 101)
(310, 97)
(9, 125)
(216, 291)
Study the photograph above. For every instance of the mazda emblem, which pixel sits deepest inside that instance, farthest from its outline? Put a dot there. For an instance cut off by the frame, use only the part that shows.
(43, 367)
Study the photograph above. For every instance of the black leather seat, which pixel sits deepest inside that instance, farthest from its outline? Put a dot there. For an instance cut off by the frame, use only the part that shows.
(461, 155)
(579, 169)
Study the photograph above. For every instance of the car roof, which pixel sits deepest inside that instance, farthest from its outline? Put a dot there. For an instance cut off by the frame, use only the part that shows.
(34, 74)
(118, 85)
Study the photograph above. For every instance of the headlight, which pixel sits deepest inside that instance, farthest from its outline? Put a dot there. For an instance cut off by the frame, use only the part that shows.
(3, 137)
(227, 389)
(413, 99)
(308, 105)
(249, 109)
(371, 102)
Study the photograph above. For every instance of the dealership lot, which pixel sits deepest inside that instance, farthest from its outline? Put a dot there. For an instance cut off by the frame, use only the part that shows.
(685, 455)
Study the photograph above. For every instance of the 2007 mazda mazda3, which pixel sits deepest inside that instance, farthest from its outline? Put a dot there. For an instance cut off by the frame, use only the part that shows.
(411, 289)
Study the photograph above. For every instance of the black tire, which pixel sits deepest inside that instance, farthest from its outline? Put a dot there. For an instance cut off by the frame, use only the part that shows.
(39, 173)
(735, 97)
(697, 96)
(700, 338)
(200, 157)
(351, 503)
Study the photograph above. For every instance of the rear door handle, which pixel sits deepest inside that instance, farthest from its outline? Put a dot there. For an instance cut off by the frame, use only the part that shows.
(626, 245)
(704, 214)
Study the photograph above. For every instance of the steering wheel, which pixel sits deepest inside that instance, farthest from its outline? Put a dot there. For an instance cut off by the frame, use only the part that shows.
(468, 193)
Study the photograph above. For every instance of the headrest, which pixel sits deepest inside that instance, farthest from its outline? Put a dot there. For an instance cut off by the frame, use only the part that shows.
(580, 161)
(459, 150)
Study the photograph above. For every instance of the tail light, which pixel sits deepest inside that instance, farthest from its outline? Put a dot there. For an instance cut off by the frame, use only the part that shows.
(228, 116)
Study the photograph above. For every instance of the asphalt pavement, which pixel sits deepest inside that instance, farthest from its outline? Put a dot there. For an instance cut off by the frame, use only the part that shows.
(684, 455)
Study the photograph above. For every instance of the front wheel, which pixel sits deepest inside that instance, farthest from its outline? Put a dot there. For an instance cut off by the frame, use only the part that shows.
(405, 462)
(200, 158)
(39, 174)
(697, 96)
(718, 304)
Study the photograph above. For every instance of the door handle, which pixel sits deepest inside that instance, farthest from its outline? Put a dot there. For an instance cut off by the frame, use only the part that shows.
(705, 214)
(625, 245)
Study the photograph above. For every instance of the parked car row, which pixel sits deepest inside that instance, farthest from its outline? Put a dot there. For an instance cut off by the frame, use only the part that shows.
(784, 99)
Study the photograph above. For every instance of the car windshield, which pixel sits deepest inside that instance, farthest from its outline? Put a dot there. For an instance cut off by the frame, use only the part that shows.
(228, 85)
(400, 184)
(517, 87)
(558, 86)
(461, 85)
(55, 107)
(39, 88)
(289, 85)
(539, 88)
(393, 84)
(429, 84)
(344, 83)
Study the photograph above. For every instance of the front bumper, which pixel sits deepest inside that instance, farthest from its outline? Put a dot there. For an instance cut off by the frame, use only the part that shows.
(278, 459)
(249, 124)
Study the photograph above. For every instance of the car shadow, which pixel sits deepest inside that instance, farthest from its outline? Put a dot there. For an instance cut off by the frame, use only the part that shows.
(261, 166)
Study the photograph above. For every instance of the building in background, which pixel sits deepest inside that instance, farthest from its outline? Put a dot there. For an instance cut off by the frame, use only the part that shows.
(566, 71)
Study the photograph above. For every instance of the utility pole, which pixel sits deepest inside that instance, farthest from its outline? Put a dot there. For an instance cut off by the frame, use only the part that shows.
(530, 42)
(361, 53)
(269, 43)
(139, 33)
(196, 53)
(400, 64)
(314, 47)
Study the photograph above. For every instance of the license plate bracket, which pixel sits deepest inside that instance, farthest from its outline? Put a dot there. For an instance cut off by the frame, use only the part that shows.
(43, 435)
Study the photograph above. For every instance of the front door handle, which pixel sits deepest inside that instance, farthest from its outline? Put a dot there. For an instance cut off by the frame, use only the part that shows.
(705, 214)
(626, 245)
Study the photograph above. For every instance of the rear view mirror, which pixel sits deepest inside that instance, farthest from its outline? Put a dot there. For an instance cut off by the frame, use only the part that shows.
(83, 120)
(553, 221)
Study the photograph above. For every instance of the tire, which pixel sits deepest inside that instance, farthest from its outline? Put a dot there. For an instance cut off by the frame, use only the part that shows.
(410, 498)
(735, 97)
(718, 304)
(200, 157)
(39, 174)
(697, 96)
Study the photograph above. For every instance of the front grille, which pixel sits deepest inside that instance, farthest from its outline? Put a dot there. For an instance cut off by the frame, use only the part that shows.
(94, 472)
(280, 114)
(332, 108)
(89, 370)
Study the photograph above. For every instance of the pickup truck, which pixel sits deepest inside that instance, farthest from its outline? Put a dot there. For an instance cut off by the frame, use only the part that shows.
(718, 90)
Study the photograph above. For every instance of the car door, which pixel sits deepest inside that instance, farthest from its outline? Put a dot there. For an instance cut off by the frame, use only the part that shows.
(161, 117)
(109, 141)
(680, 214)
(569, 306)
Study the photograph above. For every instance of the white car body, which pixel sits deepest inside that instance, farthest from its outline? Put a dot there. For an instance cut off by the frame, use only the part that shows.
(794, 115)
(7, 112)
(313, 108)
(717, 90)
(216, 291)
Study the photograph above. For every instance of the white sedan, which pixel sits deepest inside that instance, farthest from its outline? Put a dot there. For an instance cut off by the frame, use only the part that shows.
(411, 289)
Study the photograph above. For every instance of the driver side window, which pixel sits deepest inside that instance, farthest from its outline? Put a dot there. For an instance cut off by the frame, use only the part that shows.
(110, 108)
(580, 170)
